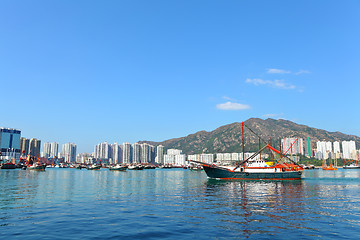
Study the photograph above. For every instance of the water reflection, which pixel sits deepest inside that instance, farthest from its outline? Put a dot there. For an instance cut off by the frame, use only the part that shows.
(181, 202)
(255, 206)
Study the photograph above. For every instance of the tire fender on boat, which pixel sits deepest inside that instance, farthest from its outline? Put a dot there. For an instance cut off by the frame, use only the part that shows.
(247, 174)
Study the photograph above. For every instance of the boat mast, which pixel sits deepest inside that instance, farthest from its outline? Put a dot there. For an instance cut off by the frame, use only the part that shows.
(243, 141)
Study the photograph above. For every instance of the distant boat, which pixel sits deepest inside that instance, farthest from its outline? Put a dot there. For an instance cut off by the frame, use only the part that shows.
(331, 167)
(37, 166)
(135, 167)
(117, 167)
(196, 168)
(7, 165)
(94, 167)
(351, 166)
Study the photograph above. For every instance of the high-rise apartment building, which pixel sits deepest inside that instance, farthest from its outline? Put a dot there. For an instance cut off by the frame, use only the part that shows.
(51, 149)
(145, 153)
(160, 154)
(174, 157)
(297, 146)
(136, 156)
(336, 150)
(127, 153)
(34, 147)
(10, 143)
(47, 150)
(116, 153)
(349, 149)
(24, 145)
(103, 151)
(69, 152)
(308, 147)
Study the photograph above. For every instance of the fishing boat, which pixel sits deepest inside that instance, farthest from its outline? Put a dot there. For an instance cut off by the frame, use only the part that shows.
(7, 165)
(136, 167)
(196, 168)
(37, 166)
(351, 166)
(331, 167)
(254, 168)
(93, 167)
(117, 167)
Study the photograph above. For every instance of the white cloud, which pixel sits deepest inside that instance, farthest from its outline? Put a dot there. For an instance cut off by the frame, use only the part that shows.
(279, 71)
(302, 72)
(282, 84)
(228, 98)
(272, 115)
(232, 106)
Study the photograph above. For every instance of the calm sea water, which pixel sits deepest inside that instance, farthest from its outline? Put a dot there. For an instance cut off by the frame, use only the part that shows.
(169, 204)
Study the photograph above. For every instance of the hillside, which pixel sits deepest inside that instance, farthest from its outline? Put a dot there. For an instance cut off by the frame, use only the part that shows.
(227, 138)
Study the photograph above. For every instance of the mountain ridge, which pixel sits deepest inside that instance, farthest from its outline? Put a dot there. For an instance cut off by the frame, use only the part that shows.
(227, 138)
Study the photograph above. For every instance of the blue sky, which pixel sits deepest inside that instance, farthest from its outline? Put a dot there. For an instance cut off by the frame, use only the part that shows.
(94, 71)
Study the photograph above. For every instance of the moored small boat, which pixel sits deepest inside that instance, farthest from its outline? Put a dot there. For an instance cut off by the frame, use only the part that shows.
(7, 165)
(94, 167)
(118, 167)
(136, 167)
(351, 166)
(37, 166)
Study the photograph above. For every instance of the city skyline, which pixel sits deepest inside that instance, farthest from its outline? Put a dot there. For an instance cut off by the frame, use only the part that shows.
(131, 71)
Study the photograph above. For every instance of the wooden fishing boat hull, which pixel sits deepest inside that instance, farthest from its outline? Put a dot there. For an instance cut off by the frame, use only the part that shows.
(351, 167)
(8, 166)
(117, 168)
(223, 173)
(93, 168)
(38, 168)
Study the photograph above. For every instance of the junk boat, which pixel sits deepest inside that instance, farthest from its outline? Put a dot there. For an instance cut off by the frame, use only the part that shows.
(256, 169)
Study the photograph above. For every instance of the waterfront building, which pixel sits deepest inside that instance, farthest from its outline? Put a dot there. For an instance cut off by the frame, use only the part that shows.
(82, 158)
(205, 157)
(321, 150)
(180, 160)
(103, 151)
(116, 153)
(136, 149)
(127, 153)
(47, 150)
(232, 158)
(69, 152)
(160, 154)
(10, 144)
(297, 147)
(337, 151)
(308, 151)
(54, 149)
(174, 151)
(34, 147)
(147, 153)
(174, 157)
(50, 150)
(348, 147)
(318, 155)
(24, 146)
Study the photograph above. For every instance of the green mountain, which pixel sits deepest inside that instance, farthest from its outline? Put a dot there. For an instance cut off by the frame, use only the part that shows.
(228, 138)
